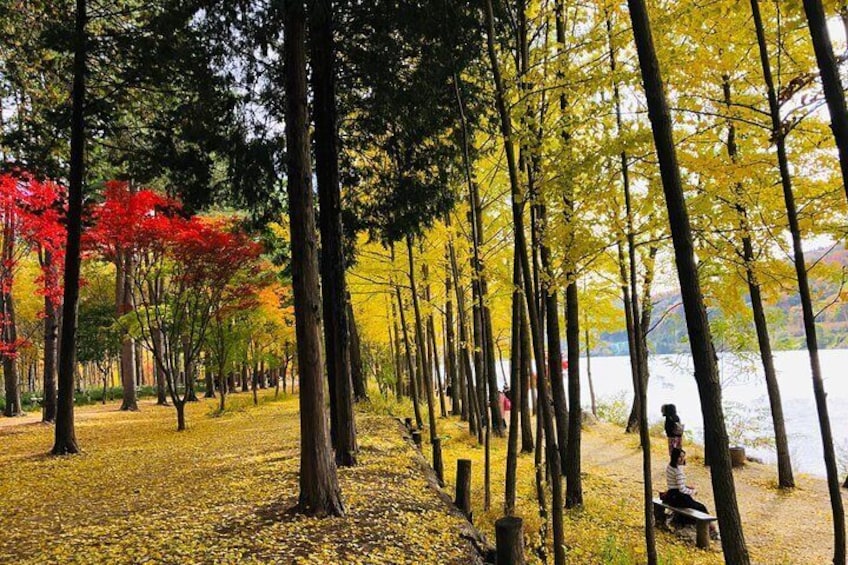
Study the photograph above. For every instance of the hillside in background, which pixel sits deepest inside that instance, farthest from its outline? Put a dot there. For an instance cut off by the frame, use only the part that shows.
(784, 314)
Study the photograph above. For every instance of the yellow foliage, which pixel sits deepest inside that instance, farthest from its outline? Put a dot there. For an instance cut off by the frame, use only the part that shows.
(218, 493)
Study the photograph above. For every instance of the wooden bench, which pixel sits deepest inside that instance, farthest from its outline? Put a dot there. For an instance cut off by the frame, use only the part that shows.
(702, 520)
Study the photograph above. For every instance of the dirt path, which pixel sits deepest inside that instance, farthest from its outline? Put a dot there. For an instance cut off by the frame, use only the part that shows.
(780, 527)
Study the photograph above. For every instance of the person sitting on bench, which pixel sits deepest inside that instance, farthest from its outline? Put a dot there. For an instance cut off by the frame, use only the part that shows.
(679, 494)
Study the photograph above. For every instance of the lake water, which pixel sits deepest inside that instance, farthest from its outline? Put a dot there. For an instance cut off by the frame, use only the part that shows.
(744, 393)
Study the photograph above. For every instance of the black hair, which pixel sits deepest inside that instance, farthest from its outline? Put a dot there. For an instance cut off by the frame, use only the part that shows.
(675, 456)
(669, 410)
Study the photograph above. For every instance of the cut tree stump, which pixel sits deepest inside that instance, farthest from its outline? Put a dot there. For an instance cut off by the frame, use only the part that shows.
(509, 536)
(463, 487)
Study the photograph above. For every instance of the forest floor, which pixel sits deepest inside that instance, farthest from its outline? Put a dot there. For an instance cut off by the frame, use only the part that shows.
(780, 527)
(220, 492)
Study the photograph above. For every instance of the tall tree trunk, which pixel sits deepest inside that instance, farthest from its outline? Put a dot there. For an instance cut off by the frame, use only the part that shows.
(574, 485)
(334, 291)
(413, 385)
(478, 353)
(123, 297)
(700, 340)
(589, 364)
(486, 375)
(420, 344)
(831, 83)
(319, 488)
(525, 355)
(784, 465)
(573, 480)
(11, 375)
(65, 441)
(633, 353)
(433, 347)
(469, 400)
(51, 342)
(806, 300)
(629, 289)
(357, 371)
(450, 345)
(515, 388)
(533, 311)
(397, 354)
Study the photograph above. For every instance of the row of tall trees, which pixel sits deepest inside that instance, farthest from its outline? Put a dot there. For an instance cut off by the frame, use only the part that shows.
(575, 154)
(492, 169)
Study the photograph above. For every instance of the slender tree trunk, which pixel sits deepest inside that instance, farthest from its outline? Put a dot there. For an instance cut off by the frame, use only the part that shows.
(515, 389)
(700, 340)
(336, 326)
(633, 353)
(535, 327)
(319, 488)
(420, 344)
(486, 375)
(419, 422)
(450, 345)
(357, 372)
(574, 482)
(11, 375)
(478, 354)
(66, 441)
(526, 355)
(140, 379)
(124, 301)
(806, 300)
(209, 379)
(831, 83)
(51, 342)
(397, 354)
(589, 366)
(469, 396)
(161, 385)
(784, 465)
(433, 347)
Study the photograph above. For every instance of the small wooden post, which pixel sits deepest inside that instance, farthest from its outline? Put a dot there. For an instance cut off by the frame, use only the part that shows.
(737, 456)
(416, 438)
(438, 464)
(509, 538)
(703, 534)
(463, 487)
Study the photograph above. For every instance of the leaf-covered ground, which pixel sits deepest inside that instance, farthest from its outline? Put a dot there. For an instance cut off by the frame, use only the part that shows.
(221, 492)
(780, 528)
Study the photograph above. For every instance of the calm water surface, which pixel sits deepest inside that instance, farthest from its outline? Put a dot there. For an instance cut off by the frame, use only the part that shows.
(744, 395)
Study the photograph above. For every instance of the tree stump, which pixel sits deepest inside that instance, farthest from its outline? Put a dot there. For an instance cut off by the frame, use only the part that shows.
(438, 464)
(510, 541)
(416, 438)
(463, 487)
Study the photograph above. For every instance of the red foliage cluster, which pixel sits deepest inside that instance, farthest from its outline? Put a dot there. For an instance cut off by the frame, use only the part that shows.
(33, 213)
(204, 253)
(128, 220)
